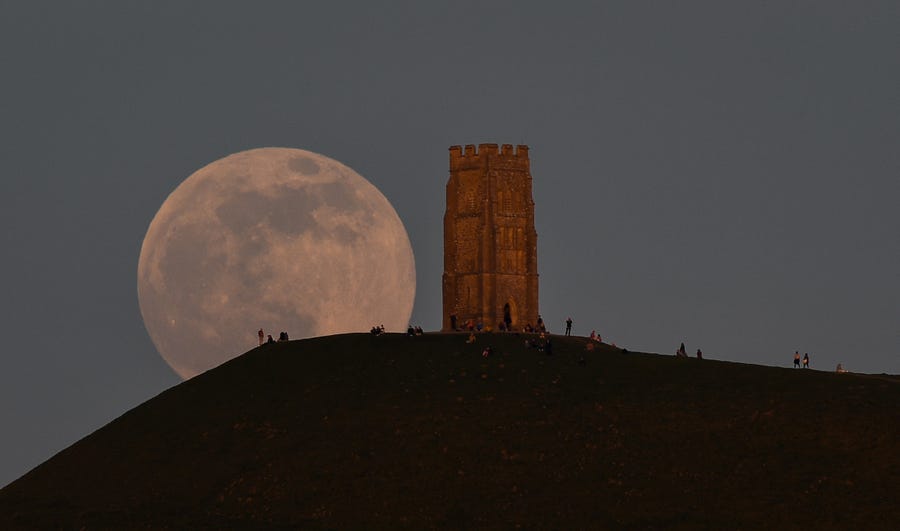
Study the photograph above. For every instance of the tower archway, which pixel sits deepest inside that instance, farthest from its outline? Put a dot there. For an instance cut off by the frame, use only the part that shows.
(510, 314)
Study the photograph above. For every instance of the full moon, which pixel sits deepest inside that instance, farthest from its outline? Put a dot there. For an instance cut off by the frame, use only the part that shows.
(274, 238)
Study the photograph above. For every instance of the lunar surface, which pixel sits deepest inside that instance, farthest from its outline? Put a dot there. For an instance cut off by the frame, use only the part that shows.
(274, 238)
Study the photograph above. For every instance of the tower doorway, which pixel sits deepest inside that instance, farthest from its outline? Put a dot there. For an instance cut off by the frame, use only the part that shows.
(509, 314)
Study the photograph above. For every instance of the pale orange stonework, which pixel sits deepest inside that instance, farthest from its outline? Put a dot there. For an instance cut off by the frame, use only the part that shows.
(490, 245)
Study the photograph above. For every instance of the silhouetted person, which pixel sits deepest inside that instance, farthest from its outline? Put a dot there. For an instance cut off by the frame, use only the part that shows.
(410, 331)
(270, 340)
(569, 326)
(283, 336)
(796, 359)
(699, 354)
(262, 336)
(805, 360)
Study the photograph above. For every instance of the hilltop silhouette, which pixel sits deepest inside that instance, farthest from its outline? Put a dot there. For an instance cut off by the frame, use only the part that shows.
(362, 431)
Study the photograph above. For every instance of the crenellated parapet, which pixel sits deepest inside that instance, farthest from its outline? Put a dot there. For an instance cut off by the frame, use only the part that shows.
(504, 156)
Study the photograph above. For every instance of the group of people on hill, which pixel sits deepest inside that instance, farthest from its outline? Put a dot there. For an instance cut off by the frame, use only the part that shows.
(543, 344)
(682, 353)
(595, 337)
(263, 339)
(541, 328)
(804, 362)
(472, 325)
(797, 359)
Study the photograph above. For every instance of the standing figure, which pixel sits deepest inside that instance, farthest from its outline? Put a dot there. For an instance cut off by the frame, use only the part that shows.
(699, 354)
(569, 326)
(806, 360)
(796, 359)
(262, 336)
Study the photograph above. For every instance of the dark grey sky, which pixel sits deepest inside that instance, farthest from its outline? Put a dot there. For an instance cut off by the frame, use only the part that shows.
(719, 173)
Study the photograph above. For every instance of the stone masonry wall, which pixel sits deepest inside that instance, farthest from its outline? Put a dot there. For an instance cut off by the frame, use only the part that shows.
(490, 244)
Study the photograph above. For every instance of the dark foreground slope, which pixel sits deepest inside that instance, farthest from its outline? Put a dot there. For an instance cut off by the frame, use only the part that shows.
(357, 431)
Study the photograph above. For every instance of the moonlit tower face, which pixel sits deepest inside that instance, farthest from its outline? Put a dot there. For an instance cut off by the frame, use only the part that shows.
(273, 238)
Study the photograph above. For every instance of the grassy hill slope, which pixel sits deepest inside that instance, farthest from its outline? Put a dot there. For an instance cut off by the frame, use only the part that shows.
(356, 431)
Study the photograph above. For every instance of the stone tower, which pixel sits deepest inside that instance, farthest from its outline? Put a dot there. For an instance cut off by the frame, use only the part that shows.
(490, 245)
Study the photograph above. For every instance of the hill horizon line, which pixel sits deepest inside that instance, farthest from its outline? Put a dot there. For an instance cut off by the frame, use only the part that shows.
(357, 430)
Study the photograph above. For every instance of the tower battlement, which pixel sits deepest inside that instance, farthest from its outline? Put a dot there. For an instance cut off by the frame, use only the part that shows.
(472, 156)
